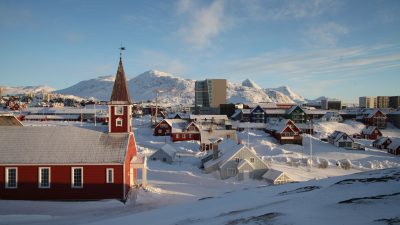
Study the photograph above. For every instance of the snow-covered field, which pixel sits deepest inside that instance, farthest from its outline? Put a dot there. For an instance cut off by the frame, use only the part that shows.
(182, 194)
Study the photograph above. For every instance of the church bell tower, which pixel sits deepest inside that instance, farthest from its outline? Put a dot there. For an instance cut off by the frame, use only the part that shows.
(120, 105)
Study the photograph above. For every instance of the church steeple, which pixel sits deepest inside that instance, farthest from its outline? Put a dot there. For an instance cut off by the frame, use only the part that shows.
(120, 93)
(120, 105)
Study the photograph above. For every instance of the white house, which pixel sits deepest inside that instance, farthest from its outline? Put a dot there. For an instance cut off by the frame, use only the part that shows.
(342, 140)
(236, 160)
(332, 117)
(165, 154)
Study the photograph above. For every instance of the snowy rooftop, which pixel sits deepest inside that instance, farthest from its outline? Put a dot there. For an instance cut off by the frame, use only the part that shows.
(368, 130)
(167, 148)
(60, 144)
(9, 120)
(272, 174)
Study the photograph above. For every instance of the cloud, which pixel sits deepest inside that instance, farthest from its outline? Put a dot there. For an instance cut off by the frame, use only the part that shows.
(204, 24)
(326, 34)
(331, 63)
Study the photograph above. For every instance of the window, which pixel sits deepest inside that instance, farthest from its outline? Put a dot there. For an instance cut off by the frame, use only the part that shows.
(109, 175)
(77, 177)
(119, 110)
(177, 135)
(118, 122)
(252, 160)
(190, 135)
(237, 159)
(183, 135)
(159, 131)
(44, 177)
(11, 177)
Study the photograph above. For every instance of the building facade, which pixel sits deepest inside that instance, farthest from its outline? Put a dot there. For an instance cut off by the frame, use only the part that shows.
(331, 104)
(209, 95)
(382, 102)
(394, 102)
(367, 102)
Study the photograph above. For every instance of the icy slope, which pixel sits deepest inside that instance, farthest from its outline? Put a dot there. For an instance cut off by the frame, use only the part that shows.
(26, 90)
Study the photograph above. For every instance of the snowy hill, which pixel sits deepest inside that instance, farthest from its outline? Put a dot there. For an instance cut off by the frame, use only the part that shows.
(26, 90)
(99, 88)
(175, 90)
(250, 83)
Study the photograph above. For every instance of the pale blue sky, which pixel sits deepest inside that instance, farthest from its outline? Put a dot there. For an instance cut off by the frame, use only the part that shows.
(340, 49)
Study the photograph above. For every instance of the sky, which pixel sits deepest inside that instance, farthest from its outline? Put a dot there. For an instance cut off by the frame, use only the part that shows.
(335, 48)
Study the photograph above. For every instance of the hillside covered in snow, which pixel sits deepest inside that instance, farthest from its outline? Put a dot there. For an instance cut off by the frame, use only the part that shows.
(174, 90)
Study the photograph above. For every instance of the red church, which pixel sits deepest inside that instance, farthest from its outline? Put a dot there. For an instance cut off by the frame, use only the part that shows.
(72, 163)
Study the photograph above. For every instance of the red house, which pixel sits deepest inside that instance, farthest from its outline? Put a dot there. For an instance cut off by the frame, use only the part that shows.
(371, 133)
(185, 132)
(375, 118)
(285, 132)
(72, 163)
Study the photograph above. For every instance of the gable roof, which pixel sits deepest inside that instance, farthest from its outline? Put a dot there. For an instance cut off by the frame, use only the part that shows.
(336, 135)
(61, 145)
(9, 120)
(120, 93)
(280, 126)
(273, 175)
(369, 130)
(381, 140)
(395, 143)
(289, 111)
(207, 137)
(244, 162)
(170, 150)
(259, 108)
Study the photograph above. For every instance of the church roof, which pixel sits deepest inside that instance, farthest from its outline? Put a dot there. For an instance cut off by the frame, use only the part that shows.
(61, 145)
(120, 93)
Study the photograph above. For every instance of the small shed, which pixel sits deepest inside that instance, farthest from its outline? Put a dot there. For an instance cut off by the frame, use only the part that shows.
(165, 154)
(394, 147)
(371, 133)
(277, 177)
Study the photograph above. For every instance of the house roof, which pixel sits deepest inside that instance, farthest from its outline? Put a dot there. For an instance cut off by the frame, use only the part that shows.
(279, 125)
(244, 162)
(170, 150)
(336, 135)
(202, 118)
(9, 120)
(52, 117)
(61, 145)
(395, 143)
(120, 93)
(289, 111)
(275, 111)
(272, 174)
(207, 136)
(381, 140)
(368, 130)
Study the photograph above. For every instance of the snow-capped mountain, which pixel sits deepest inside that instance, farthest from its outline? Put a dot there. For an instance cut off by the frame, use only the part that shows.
(26, 90)
(250, 83)
(172, 90)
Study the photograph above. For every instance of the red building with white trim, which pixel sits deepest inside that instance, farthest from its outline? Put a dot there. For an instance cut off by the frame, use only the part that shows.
(72, 163)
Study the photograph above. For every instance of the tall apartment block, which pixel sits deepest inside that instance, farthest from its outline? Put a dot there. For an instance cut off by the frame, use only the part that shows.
(382, 101)
(394, 102)
(367, 102)
(209, 94)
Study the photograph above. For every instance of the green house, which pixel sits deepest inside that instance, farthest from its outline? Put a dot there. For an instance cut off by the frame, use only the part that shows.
(296, 114)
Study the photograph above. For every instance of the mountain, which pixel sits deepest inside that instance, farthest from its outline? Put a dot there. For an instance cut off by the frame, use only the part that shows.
(250, 83)
(174, 90)
(99, 88)
(26, 90)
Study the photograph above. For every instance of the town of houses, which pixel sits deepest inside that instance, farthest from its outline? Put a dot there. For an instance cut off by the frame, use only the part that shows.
(101, 161)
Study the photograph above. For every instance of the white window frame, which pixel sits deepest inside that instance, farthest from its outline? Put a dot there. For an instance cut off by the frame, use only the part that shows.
(237, 159)
(40, 177)
(72, 177)
(183, 135)
(252, 159)
(116, 110)
(7, 178)
(112, 175)
(118, 122)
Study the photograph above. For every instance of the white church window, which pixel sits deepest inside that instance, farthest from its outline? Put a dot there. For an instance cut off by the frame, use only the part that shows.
(11, 177)
(119, 110)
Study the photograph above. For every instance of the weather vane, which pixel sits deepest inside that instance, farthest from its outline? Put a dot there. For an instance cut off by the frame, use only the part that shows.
(120, 51)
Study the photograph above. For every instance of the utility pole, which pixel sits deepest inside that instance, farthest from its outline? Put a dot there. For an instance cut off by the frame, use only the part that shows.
(311, 162)
(94, 107)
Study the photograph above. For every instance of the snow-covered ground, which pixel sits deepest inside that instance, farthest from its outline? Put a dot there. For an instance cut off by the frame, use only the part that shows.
(181, 193)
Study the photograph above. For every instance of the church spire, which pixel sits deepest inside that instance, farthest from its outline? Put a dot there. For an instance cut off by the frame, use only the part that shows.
(120, 93)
